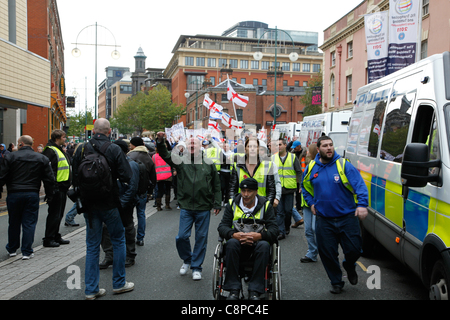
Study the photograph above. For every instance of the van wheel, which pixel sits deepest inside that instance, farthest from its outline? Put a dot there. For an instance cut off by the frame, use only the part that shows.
(439, 282)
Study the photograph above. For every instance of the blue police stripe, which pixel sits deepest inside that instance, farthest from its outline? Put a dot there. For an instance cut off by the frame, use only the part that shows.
(416, 214)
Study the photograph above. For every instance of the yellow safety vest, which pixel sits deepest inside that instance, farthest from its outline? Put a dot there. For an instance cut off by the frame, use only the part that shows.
(288, 176)
(238, 213)
(260, 175)
(340, 164)
(215, 155)
(63, 165)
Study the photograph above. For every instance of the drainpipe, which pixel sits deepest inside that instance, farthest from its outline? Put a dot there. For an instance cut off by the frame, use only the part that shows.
(339, 50)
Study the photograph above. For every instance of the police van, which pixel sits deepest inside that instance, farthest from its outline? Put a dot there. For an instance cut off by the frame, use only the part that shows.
(399, 139)
(332, 124)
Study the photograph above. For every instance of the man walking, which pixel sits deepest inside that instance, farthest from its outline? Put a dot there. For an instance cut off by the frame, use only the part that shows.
(22, 172)
(61, 169)
(103, 209)
(330, 187)
(198, 192)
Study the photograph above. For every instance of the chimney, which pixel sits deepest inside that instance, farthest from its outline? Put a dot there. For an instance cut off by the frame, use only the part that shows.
(271, 79)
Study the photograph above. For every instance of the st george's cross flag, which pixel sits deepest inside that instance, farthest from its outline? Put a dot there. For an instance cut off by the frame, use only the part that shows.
(211, 105)
(238, 99)
(215, 115)
(230, 122)
(214, 125)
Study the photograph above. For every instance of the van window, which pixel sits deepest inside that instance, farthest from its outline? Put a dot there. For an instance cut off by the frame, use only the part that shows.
(398, 118)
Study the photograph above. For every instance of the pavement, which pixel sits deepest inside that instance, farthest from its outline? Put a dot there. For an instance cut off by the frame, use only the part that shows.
(17, 275)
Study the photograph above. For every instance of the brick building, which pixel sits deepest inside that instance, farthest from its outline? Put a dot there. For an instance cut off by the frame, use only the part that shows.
(45, 39)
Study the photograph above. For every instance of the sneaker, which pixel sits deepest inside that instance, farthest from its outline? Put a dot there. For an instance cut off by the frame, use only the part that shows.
(184, 268)
(129, 286)
(28, 257)
(99, 294)
(196, 275)
(12, 254)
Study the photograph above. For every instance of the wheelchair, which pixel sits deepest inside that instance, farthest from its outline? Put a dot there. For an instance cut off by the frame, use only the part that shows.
(272, 277)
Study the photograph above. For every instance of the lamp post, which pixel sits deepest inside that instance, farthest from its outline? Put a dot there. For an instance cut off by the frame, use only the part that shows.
(76, 52)
(293, 56)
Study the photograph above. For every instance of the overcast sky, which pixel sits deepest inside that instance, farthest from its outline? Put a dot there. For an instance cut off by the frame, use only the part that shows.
(156, 26)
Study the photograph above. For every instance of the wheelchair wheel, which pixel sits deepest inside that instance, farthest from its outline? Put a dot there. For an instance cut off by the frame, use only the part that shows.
(217, 273)
(276, 273)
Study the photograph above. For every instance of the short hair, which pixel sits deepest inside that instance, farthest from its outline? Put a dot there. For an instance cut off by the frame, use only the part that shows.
(102, 126)
(283, 140)
(57, 134)
(26, 140)
(322, 138)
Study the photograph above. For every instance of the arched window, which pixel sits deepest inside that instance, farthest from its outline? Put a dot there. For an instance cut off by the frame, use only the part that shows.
(332, 90)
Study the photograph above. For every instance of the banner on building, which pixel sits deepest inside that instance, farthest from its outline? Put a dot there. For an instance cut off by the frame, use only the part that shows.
(376, 29)
(403, 33)
(316, 96)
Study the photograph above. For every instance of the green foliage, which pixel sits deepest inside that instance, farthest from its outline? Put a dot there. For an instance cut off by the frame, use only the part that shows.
(152, 111)
(78, 122)
(306, 100)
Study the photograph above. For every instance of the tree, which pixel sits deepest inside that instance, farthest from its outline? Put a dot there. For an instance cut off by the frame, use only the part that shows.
(306, 100)
(78, 122)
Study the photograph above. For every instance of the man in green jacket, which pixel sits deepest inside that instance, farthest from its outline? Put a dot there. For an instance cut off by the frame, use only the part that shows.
(198, 192)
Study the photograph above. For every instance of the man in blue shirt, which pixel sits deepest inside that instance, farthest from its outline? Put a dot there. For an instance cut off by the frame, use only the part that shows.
(336, 193)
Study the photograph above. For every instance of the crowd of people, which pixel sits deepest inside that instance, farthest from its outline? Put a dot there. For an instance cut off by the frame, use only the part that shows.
(281, 183)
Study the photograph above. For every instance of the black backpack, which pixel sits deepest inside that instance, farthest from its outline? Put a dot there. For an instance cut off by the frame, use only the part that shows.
(94, 173)
(143, 178)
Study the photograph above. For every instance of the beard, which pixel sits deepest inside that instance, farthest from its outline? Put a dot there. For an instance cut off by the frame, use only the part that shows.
(325, 156)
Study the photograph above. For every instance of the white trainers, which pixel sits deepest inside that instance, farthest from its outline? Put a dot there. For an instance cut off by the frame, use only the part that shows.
(99, 294)
(196, 275)
(28, 257)
(129, 286)
(184, 268)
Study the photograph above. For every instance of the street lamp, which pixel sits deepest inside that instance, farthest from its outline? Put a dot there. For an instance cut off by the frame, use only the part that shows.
(76, 52)
(293, 56)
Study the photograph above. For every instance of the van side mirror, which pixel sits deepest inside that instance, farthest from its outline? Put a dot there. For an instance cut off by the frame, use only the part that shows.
(415, 165)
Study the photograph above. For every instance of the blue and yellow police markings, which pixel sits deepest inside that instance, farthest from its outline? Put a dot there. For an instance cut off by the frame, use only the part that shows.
(442, 221)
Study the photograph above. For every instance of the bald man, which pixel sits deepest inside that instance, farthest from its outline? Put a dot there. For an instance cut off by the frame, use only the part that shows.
(22, 172)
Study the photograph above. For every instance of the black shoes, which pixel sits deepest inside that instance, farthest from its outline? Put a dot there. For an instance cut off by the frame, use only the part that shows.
(305, 259)
(336, 289)
(105, 264)
(55, 243)
(252, 295)
(234, 295)
(351, 273)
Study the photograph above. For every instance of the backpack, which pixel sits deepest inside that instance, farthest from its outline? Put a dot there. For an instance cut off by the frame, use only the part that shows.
(143, 179)
(94, 173)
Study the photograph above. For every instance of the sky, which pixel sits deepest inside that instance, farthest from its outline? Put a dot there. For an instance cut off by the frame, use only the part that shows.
(156, 26)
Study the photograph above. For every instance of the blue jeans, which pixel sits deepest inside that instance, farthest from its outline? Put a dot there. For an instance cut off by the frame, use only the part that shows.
(330, 233)
(94, 223)
(187, 219)
(23, 211)
(296, 215)
(310, 233)
(284, 212)
(140, 213)
(70, 216)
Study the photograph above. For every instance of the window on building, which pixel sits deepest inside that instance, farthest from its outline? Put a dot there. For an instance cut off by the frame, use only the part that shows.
(296, 67)
(286, 66)
(233, 63)
(222, 63)
(332, 85)
(425, 7)
(244, 64)
(285, 83)
(424, 49)
(255, 82)
(200, 62)
(333, 58)
(265, 65)
(297, 83)
(213, 80)
(12, 36)
(189, 61)
(243, 80)
(264, 82)
(306, 67)
(305, 83)
(224, 97)
(316, 67)
(255, 64)
(212, 62)
(349, 88)
(350, 50)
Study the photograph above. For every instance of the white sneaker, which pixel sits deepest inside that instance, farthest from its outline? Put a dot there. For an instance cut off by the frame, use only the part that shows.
(13, 254)
(196, 275)
(129, 286)
(184, 269)
(100, 293)
(28, 257)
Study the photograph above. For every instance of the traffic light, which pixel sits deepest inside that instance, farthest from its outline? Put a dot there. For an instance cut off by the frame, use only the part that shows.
(88, 134)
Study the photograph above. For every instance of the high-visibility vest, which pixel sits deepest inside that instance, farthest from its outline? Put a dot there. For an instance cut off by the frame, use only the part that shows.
(215, 155)
(63, 170)
(303, 163)
(340, 165)
(238, 213)
(288, 176)
(163, 170)
(260, 175)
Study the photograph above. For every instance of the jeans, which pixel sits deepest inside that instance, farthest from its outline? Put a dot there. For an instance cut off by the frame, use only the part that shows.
(310, 233)
(201, 220)
(23, 211)
(334, 231)
(94, 221)
(140, 213)
(296, 215)
(70, 216)
(284, 212)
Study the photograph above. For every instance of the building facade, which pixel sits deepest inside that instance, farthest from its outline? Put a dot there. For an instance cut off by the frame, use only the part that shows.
(202, 62)
(344, 47)
(25, 77)
(113, 74)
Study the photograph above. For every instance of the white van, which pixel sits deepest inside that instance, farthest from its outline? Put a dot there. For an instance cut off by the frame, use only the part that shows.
(289, 130)
(332, 124)
(399, 140)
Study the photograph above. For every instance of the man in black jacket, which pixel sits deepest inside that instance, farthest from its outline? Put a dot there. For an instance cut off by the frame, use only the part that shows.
(104, 210)
(251, 208)
(60, 163)
(22, 172)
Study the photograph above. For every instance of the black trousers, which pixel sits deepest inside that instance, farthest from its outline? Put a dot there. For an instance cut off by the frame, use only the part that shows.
(56, 209)
(235, 254)
(126, 215)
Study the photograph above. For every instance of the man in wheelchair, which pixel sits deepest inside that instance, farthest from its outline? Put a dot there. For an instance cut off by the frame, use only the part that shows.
(249, 226)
